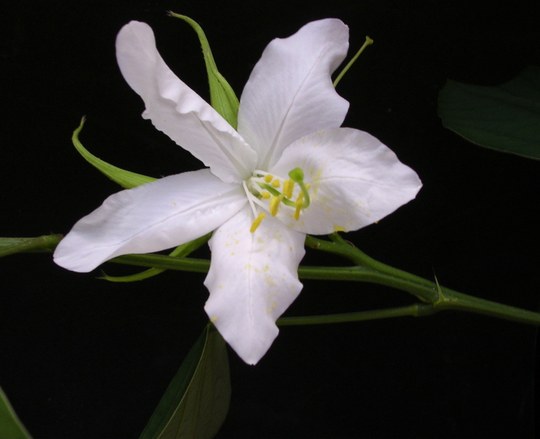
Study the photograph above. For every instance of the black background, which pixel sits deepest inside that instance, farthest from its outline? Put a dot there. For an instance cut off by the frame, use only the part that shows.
(82, 358)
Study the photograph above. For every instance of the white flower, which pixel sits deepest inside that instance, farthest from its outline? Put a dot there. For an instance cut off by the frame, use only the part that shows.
(287, 171)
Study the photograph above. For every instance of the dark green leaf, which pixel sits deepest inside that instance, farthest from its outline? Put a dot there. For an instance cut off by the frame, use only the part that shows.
(197, 400)
(9, 246)
(10, 425)
(505, 118)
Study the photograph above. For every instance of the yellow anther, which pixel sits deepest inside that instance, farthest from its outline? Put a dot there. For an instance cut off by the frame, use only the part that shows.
(288, 187)
(274, 204)
(265, 195)
(297, 212)
(275, 183)
(299, 203)
(257, 222)
(268, 178)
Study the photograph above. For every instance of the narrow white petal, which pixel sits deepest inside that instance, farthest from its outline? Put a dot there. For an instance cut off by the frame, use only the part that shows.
(355, 180)
(151, 217)
(177, 110)
(290, 93)
(252, 280)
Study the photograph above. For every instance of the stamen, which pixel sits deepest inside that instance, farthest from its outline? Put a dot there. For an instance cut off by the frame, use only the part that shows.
(297, 212)
(269, 192)
(249, 197)
(274, 204)
(257, 222)
(288, 187)
(299, 204)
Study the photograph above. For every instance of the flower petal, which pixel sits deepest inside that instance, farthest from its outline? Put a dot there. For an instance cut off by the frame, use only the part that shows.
(252, 280)
(152, 217)
(290, 93)
(177, 110)
(354, 180)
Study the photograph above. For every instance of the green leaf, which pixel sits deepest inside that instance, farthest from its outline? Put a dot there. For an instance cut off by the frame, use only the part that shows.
(10, 425)
(9, 246)
(505, 118)
(222, 96)
(126, 179)
(197, 400)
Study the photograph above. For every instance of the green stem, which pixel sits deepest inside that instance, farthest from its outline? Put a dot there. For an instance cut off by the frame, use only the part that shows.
(164, 262)
(339, 246)
(181, 251)
(366, 269)
(439, 298)
(415, 310)
(345, 69)
(11, 246)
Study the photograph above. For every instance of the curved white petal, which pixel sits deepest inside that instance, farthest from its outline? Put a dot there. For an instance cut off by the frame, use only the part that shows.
(177, 110)
(355, 180)
(290, 93)
(252, 280)
(152, 217)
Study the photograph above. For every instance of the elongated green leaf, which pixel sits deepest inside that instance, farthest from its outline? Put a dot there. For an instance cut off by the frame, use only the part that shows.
(197, 400)
(505, 118)
(126, 179)
(9, 246)
(222, 96)
(10, 425)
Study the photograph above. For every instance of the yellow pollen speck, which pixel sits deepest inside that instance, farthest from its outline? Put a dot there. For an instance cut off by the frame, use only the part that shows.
(265, 195)
(288, 188)
(339, 228)
(274, 204)
(275, 183)
(268, 178)
(255, 224)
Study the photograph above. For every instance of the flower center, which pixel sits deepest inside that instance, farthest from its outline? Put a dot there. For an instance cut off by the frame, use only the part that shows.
(272, 192)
